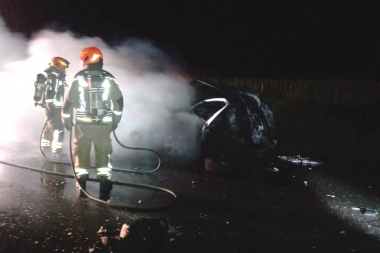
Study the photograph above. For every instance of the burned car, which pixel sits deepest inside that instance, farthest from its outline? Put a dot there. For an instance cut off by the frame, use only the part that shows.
(216, 122)
(234, 119)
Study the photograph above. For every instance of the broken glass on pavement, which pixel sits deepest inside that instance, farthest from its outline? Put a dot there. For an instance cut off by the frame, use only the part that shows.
(365, 211)
(300, 160)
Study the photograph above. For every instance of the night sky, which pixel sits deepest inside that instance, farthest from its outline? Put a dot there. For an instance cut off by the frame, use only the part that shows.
(225, 38)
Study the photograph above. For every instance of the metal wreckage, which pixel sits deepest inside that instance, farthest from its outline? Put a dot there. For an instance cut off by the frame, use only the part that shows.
(235, 121)
(233, 118)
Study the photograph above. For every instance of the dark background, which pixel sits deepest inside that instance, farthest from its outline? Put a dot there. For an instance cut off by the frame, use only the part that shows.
(225, 38)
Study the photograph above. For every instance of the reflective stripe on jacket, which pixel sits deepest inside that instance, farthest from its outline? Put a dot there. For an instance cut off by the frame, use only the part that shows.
(97, 97)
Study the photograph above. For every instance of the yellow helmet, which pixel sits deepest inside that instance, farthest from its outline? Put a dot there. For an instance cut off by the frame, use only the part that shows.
(59, 63)
(90, 55)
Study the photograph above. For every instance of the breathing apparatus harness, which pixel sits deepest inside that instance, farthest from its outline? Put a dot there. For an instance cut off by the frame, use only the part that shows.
(48, 88)
(95, 108)
(40, 88)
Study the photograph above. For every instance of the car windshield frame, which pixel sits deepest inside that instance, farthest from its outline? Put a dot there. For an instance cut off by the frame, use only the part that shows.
(216, 114)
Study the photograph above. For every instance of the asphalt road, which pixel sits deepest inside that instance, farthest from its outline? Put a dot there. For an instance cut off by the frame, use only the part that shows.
(295, 209)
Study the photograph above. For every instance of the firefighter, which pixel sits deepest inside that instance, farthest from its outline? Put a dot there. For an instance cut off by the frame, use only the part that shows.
(49, 93)
(98, 100)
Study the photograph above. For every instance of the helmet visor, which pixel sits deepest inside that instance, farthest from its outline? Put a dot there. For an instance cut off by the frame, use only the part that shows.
(62, 63)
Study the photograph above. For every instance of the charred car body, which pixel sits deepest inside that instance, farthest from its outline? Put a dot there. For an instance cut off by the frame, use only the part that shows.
(217, 123)
(234, 119)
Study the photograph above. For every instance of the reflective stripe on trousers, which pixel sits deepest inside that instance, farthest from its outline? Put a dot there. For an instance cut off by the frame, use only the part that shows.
(99, 136)
(45, 143)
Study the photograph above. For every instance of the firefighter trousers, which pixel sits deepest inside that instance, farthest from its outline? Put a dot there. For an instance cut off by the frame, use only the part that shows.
(53, 134)
(99, 136)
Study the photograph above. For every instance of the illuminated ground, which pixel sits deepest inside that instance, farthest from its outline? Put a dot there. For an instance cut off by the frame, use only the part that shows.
(302, 210)
(297, 209)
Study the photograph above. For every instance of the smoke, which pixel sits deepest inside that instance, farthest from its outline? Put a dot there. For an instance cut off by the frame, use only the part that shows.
(157, 98)
(13, 45)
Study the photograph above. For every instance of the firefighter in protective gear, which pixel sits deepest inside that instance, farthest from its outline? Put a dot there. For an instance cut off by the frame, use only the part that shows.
(98, 100)
(49, 93)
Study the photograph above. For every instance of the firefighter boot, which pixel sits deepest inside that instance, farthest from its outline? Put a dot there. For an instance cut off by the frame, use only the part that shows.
(81, 183)
(105, 188)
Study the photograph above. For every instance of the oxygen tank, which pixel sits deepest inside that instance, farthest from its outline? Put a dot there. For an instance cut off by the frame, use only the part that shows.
(39, 87)
(97, 105)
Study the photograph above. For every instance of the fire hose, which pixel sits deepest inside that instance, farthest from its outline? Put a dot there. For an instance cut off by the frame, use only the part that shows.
(142, 186)
(121, 144)
(121, 183)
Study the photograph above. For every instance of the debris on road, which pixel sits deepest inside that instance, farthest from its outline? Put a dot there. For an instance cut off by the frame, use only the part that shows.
(300, 160)
(365, 211)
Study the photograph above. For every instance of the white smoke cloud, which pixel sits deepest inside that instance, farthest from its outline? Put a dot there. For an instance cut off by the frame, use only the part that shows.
(13, 45)
(157, 99)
